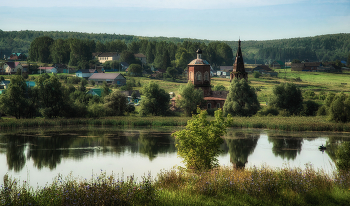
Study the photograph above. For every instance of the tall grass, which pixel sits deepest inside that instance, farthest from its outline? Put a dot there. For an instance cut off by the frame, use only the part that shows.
(295, 123)
(223, 186)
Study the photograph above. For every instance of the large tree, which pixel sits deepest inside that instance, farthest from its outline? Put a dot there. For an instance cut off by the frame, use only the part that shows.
(14, 102)
(156, 100)
(51, 96)
(189, 98)
(287, 96)
(115, 103)
(40, 49)
(241, 99)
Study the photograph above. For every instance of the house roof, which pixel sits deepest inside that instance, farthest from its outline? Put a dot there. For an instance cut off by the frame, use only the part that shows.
(263, 67)
(124, 64)
(140, 55)
(107, 54)
(13, 64)
(105, 76)
(46, 68)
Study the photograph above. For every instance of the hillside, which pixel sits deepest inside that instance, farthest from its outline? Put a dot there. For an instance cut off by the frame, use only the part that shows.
(319, 48)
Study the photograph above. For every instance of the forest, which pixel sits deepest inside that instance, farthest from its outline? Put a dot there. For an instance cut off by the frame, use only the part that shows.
(322, 48)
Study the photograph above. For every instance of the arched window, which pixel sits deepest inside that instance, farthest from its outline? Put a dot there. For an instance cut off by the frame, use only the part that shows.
(209, 106)
(206, 76)
(199, 76)
(218, 105)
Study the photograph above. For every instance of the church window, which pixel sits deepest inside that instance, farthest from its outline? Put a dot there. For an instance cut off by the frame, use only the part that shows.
(209, 106)
(199, 76)
(218, 105)
(206, 76)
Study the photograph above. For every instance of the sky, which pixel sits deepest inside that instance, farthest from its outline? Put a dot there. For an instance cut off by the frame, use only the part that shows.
(224, 20)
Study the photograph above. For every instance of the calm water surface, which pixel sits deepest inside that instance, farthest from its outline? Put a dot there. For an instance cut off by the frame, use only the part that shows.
(39, 155)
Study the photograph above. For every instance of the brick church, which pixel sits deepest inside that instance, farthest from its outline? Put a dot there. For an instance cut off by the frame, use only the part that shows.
(199, 74)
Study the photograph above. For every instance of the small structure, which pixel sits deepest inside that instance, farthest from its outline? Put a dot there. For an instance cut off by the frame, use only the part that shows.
(109, 78)
(124, 66)
(141, 57)
(129, 96)
(307, 66)
(17, 56)
(4, 84)
(277, 65)
(261, 68)
(95, 91)
(11, 67)
(85, 73)
(47, 70)
(238, 67)
(108, 56)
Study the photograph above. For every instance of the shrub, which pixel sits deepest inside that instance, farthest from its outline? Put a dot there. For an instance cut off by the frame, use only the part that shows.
(199, 143)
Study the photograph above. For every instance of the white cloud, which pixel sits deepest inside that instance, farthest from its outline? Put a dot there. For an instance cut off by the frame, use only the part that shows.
(157, 4)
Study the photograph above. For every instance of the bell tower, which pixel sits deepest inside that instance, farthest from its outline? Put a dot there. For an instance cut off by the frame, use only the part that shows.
(238, 67)
(199, 73)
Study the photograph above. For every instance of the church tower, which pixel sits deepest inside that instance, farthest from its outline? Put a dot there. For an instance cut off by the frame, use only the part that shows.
(199, 73)
(238, 67)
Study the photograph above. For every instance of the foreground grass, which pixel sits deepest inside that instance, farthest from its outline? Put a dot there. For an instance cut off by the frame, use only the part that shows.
(224, 186)
(295, 123)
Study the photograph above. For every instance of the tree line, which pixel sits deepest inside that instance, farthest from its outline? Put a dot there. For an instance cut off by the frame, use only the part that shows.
(325, 47)
(162, 55)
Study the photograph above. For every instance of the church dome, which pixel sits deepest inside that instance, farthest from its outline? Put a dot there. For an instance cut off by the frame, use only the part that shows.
(198, 61)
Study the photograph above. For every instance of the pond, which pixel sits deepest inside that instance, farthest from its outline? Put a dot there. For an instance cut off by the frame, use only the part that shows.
(39, 155)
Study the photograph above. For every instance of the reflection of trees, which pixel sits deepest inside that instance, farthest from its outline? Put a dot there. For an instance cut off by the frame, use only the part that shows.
(15, 153)
(287, 147)
(48, 147)
(48, 151)
(333, 144)
(152, 144)
(241, 145)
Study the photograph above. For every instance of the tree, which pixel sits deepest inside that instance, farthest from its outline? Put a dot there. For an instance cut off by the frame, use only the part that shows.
(156, 100)
(14, 102)
(190, 98)
(199, 144)
(296, 61)
(51, 95)
(219, 87)
(256, 74)
(287, 96)
(339, 109)
(40, 49)
(135, 70)
(128, 57)
(172, 72)
(115, 103)
(343, 157)
(241, 99)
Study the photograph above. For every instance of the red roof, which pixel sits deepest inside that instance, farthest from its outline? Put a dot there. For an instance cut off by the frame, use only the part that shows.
(46, 68)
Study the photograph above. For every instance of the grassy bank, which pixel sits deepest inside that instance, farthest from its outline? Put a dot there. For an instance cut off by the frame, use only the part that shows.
(296, 123)
(224, 186)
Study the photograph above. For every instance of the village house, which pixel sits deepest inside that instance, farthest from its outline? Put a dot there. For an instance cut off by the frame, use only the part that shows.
(108, 56)
(49, 70)
(261, 68)
(109, 78)
(11, 67)
(85, 73)
(17, 56)
(307, 66)
(141, 57)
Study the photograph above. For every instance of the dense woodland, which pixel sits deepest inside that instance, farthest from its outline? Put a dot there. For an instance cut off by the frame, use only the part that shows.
(319, 48)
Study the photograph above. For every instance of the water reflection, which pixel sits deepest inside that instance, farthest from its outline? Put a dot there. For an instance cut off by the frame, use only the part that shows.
(48, 148)
(48, 152)
(240, 146)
